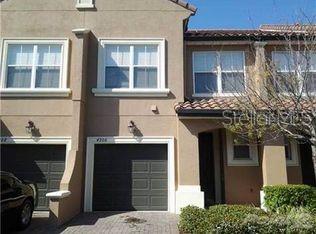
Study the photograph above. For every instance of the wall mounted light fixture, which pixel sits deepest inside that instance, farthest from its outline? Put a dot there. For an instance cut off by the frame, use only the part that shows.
(131, 126)
(30, 127)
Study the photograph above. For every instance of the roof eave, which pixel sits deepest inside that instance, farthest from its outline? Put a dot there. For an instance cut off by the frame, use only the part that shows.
(186, 5)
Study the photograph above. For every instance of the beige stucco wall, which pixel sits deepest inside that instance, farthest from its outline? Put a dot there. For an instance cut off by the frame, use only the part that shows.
(104, 116)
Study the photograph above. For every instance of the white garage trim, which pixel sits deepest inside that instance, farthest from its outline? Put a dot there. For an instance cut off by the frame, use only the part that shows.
(92, 141)
(40, 141)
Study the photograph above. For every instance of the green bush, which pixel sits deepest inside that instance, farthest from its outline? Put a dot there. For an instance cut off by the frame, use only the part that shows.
(220, 218)
(284, 197)
(245, 219)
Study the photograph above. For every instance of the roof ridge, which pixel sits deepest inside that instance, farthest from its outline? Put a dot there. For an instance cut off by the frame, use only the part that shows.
(221, 29)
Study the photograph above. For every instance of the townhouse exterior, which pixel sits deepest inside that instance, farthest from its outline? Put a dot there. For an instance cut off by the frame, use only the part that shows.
(104, 107)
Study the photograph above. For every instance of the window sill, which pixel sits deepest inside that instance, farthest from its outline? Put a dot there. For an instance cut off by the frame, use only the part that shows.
(243, 163)
(292, 163)
(84, 6)
(35, 92)
(131, 92)
(203, 95)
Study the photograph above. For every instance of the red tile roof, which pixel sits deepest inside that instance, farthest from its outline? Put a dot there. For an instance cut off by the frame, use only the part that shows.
(230, 103)
(216, 103)
(264, 32)
(299, 28)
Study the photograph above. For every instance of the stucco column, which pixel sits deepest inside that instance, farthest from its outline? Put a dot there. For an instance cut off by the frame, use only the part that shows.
(65, 208)
(274, 165)
(188, 190)
(260, 65)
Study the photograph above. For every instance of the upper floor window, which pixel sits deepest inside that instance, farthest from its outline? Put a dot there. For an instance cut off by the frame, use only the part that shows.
(85, 4)
(29, 66)
(218, 73)
(295, 71)
(240, 152)
(131, 68)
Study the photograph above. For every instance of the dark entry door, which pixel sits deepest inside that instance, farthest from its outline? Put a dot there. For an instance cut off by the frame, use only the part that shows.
(43, 165)
(207, 175)
(130, 177)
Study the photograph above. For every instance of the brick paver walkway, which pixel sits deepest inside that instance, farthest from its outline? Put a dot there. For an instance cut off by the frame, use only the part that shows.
(113, 222)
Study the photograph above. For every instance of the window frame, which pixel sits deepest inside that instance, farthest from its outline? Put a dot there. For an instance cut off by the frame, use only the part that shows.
(62, 90)
(231, 161)
(85, 5)
(294, 161)
(218, 72)
(297, 54)
(161, 89)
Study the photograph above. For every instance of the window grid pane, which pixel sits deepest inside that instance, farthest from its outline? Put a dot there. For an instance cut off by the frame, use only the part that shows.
(116, 77)
(233, 82)
(205, 82)
(205, 62)
(145, 77)
(232, 61)
(19, 77)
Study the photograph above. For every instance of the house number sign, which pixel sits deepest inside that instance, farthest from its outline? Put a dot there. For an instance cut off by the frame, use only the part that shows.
(101, 139)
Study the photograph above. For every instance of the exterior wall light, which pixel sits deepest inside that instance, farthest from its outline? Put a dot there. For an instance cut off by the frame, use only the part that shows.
(131, 127)
(30, 127)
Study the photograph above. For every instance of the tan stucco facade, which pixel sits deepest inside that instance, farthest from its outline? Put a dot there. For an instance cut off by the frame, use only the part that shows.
(82, 114)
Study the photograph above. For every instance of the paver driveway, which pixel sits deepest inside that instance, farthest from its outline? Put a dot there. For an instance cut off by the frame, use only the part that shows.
(112, 222)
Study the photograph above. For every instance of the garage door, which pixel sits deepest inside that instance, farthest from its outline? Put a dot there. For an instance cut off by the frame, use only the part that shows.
(42, 164)
(130, 177)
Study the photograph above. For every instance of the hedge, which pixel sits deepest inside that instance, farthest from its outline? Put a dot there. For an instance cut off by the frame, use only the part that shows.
(244, 219)
(282, 197)
(220, 217)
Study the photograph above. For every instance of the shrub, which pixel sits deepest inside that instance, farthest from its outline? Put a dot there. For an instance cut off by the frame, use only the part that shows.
(300, 220)
(245, 219)
(193, 220)
(220, 218)
(283, 197)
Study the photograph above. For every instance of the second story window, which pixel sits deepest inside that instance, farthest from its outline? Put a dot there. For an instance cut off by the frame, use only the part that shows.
(34, 65)
(218, 73)
(295, 71)
(133, 67)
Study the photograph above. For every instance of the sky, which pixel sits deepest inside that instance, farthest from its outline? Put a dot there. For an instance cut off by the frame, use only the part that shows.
(233, 14)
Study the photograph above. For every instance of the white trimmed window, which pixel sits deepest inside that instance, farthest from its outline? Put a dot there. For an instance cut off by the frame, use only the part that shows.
(34, 67)
(85, 4)
(292, 69)
(218, 73)
(240, 152)
(131, 68)
(291, 152)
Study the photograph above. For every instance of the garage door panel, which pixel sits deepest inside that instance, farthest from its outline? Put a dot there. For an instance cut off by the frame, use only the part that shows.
(140, 166)
(159, 184)
(57, 167)
(158, 167)
(145, 177)
(41, 164)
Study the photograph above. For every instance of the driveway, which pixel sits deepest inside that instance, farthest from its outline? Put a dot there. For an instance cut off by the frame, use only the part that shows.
(111, 222)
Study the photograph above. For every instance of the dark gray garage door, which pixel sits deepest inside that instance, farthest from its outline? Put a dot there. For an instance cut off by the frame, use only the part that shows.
(42, 164)
(130, 177)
